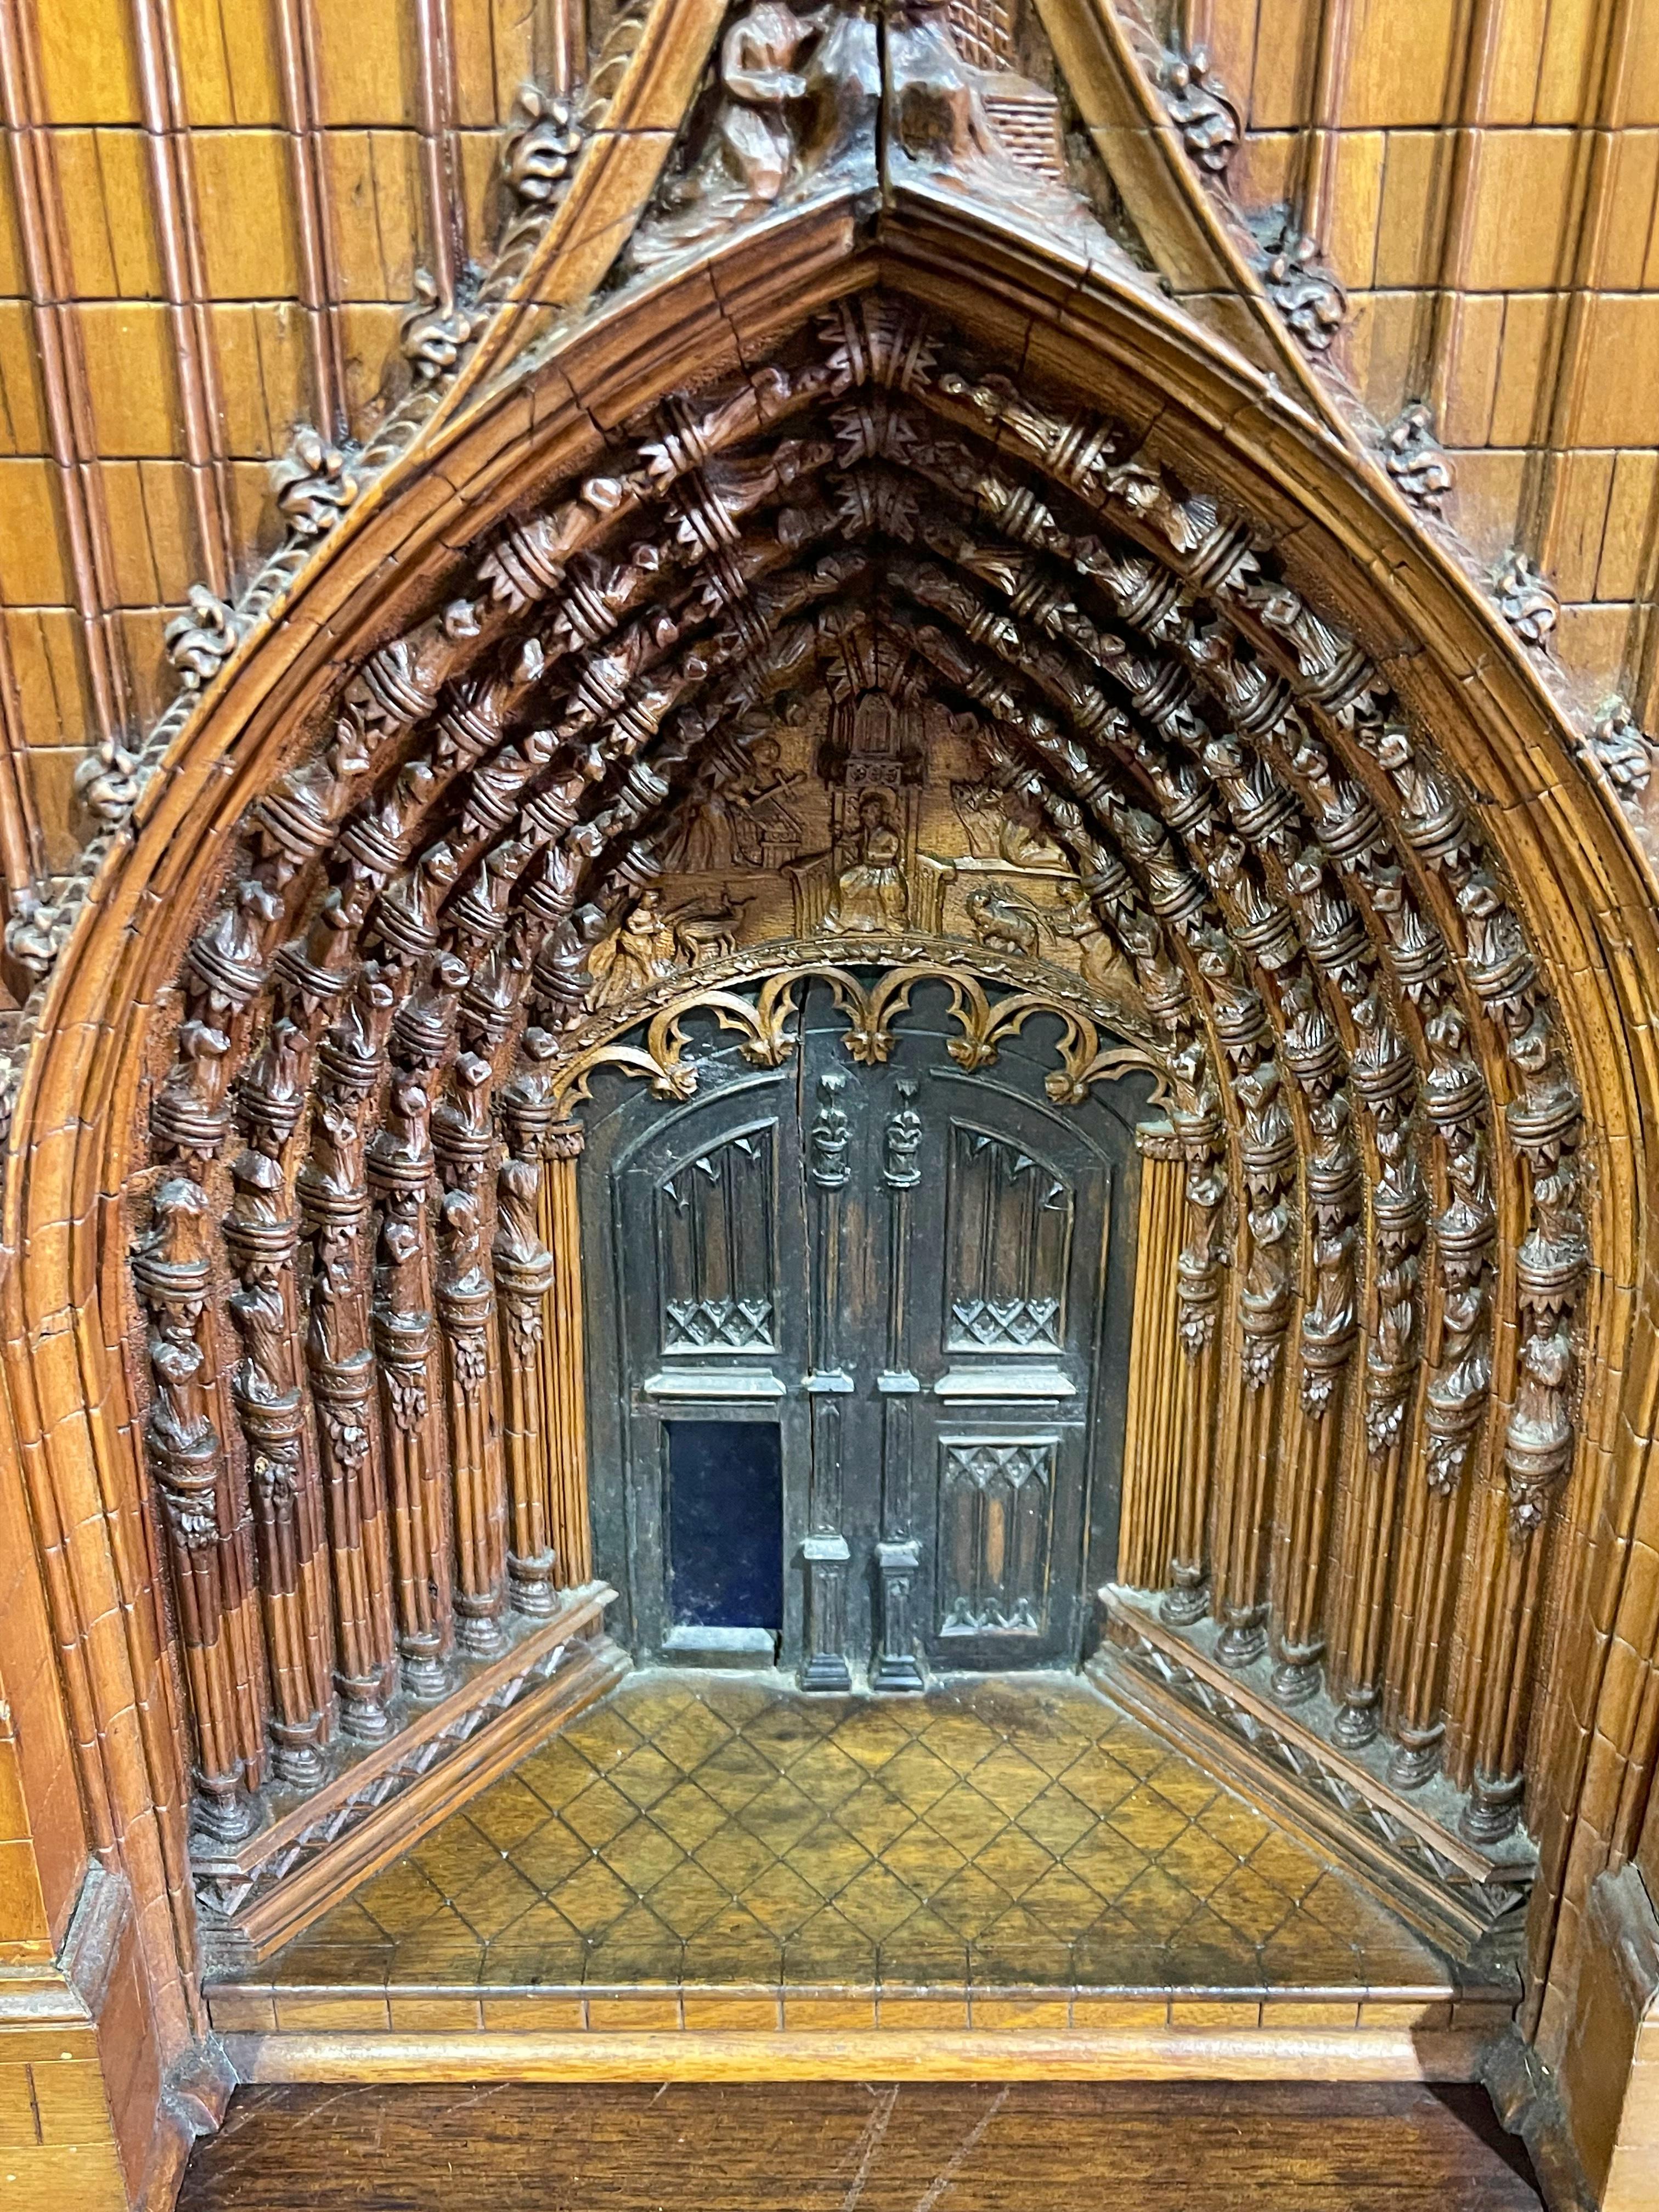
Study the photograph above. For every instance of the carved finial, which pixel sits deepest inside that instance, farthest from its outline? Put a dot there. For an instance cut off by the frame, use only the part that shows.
(32, 935)
(1310, 298)
(434, 330)
(1413, 457)
(106, 782)
(1620, 748)
(1526, 602)
(540, 148)
(200, 641)
(314, 487)
(1200, 110)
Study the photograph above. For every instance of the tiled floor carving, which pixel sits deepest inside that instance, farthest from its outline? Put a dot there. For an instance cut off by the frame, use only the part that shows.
(698, 1831)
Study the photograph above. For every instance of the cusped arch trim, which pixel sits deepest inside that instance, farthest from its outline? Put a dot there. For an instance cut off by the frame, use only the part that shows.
(77, 1133)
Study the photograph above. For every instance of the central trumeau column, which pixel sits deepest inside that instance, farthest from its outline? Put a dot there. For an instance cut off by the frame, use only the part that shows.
(825, 1551)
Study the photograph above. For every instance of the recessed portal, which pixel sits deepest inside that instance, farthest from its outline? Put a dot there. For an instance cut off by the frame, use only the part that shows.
(724, 1531)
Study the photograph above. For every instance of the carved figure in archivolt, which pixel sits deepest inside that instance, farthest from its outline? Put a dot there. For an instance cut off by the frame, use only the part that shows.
(1005, 826)
(949, 119)
(1100, 962)
(798, 92)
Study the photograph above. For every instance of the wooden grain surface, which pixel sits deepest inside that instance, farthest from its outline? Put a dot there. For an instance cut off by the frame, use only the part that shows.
(834, 2147)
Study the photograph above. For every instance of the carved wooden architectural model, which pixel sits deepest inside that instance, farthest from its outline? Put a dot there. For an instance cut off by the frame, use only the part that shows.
(863, 957)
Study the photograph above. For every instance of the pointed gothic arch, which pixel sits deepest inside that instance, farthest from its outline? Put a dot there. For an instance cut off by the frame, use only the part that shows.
(1387, 934)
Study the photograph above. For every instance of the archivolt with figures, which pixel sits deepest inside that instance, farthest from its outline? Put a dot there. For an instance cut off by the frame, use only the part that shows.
(444, 904)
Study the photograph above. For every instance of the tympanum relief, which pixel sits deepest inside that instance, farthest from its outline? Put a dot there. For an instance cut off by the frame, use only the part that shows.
(859, 824)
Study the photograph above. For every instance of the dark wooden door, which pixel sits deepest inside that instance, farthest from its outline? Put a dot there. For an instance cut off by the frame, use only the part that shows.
(869, 1387)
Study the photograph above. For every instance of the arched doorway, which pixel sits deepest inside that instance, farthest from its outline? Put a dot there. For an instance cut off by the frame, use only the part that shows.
(1383, 948)
(859, 1335)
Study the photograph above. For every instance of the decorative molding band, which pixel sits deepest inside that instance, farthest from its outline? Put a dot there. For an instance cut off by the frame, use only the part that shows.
(1170, 2054)
(1084, 1057)
(1419, 1866)
(251, 1899)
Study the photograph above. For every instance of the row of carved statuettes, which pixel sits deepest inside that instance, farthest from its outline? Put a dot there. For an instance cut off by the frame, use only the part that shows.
(1494, 910)
(1196, 529)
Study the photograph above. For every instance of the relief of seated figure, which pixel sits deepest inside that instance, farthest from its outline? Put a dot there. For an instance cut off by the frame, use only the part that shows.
(870, 896)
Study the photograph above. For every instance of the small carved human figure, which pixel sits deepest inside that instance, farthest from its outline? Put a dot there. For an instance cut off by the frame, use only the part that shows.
(653, 940)
(750, 153)
(870, 895)
(1100, 962)
(643, 950)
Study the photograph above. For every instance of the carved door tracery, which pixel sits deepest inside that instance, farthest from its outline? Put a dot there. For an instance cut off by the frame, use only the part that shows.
(906, 1269)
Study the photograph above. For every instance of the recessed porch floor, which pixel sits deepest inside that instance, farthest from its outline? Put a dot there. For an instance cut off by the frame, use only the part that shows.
(720, 1853)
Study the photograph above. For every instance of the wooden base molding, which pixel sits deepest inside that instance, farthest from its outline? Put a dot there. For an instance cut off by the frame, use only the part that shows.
(1457, 1894)
(1606, 2089)
(257, 1896)
(832, 2055)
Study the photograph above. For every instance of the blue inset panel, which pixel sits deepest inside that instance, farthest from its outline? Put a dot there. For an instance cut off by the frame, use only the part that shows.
(724, 1524)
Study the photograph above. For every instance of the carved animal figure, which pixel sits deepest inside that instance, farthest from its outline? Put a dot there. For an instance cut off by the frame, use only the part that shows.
(705, 930)
(1004, 922)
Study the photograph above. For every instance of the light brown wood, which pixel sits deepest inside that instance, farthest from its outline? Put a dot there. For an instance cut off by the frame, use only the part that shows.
(987, 2145)
(1505, 1635)
(892, 2055)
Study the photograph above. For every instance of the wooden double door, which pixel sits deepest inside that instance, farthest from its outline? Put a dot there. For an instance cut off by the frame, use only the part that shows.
(869, 1343)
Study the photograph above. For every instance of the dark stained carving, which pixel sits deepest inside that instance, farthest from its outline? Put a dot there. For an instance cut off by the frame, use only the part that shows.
(1200, 110)
(1306, 293)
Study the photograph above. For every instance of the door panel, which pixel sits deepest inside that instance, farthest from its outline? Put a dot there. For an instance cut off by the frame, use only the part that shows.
(1005, 1425)
(996, 1526)
(724, 1524)
(862, 1327)
(717, 1257)
(1008, 1247)
(708, 1266)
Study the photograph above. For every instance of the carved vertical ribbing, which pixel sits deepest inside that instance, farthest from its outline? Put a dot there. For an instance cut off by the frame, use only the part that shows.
(565, 1354)
(1367, 1561)
(400, 1173)
(826, 1554)
(566, 45)
(524, 1275)
(1152, 1453)
(261, 1237)
(1538, 1438)
(434, 48)
(463, 1140)
(334, 1207)
(1454, 1415)
(167, 142)
(186, 1462)
(319, 289)
(1328, 1333)
(466, 1309)
(1244, 1502)
(40, 202)
(1198, 1273)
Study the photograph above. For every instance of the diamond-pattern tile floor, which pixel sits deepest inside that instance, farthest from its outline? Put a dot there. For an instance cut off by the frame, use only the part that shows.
(710, 1832)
